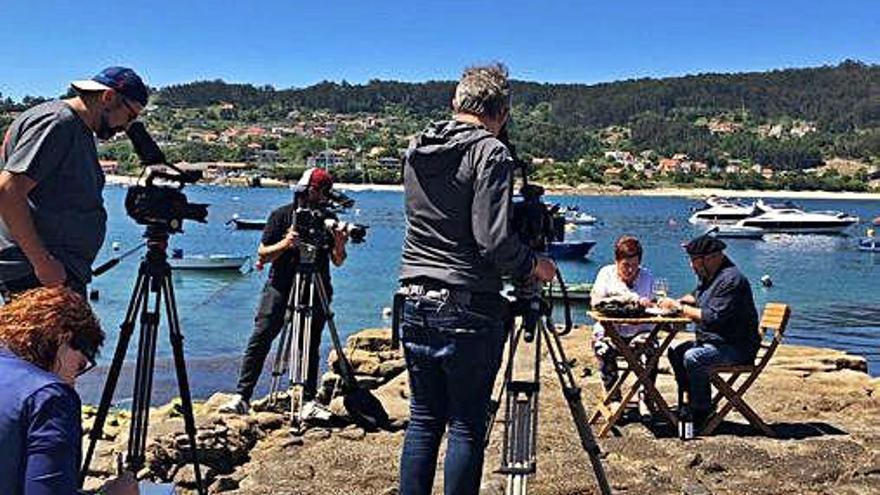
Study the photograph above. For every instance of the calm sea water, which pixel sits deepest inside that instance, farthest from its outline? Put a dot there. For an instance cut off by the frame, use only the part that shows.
(833, 288)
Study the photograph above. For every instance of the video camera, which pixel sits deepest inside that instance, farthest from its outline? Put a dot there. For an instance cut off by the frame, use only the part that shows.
(315, 226)
(165, 207)
(537, 225)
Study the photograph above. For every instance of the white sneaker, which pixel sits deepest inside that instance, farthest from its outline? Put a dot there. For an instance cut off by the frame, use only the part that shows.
(236, 405)
(315, 411)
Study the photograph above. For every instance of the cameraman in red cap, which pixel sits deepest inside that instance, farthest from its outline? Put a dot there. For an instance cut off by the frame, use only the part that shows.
(279, 246)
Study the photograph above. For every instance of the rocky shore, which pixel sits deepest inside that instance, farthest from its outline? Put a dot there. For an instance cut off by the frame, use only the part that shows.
(823, 406)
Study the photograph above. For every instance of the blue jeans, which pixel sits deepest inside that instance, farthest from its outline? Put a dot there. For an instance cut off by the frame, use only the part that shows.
(692, 363)
(452, 356)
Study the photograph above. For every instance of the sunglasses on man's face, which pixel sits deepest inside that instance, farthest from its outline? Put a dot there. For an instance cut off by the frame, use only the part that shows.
(132, 113)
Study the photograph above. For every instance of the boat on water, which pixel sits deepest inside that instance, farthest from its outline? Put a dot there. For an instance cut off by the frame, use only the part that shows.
(570, 249)
(788, 218)
(736, 232)
(719, 211)
(247, 223)
(212, 262)
(869, 244)
(579, 293)
(579, 218)
(876, 222)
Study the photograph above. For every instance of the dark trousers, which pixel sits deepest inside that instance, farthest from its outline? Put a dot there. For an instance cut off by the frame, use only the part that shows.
(267, 324)
(452, 356)
(11, 288)
(692, 363)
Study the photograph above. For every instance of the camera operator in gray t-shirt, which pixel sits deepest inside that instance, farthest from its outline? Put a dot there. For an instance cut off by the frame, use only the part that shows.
(52, 216)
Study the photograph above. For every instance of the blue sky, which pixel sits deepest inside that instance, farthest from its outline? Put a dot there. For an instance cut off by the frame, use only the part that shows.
(46, 43)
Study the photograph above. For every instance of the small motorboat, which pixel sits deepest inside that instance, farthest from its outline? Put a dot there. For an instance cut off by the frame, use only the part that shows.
(579, 293)
(876, 222)
(736, 232)
(210, 262)
(579, 218)
(869, 244)
(721, 211)
(570, 249)
(247, 223)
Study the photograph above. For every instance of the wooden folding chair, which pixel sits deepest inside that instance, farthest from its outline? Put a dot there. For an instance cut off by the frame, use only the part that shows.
(773, 320)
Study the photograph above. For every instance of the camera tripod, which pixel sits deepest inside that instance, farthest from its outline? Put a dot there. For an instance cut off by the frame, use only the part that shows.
(295, 344)
(152, 285)
(519, 448)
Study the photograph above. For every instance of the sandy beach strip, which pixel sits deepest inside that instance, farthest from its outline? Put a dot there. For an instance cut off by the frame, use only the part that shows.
(587, 190)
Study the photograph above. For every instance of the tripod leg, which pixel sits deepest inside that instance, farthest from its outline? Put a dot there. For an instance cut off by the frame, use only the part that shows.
(299, 349)
(572, 395)
(281, 364)
(494, 404)
(519, 455)
(344, 365)
(143, 383)
(176, 337)
(125, 331)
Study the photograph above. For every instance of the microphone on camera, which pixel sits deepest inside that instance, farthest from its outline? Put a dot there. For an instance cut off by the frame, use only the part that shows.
(144, 145)
(339, 198)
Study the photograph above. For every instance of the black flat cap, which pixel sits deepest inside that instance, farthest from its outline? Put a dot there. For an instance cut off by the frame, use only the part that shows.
(703, 245)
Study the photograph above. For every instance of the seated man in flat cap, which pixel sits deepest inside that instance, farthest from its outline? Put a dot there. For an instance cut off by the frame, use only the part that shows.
(723, 311)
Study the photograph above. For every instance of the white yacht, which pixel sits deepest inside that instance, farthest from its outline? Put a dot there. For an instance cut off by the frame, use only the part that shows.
(721, 211)
(788, 218)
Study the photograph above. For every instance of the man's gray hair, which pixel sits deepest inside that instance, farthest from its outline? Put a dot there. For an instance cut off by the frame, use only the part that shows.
(483, 91)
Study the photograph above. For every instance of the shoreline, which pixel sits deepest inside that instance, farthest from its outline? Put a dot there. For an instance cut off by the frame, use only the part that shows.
(586, 190)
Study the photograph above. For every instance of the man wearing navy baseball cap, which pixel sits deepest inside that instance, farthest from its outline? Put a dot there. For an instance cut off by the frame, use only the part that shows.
(52, 217)
(723, 311)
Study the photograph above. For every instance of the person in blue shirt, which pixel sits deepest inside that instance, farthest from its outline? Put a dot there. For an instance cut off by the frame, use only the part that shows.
(48, 337)
(723, 310)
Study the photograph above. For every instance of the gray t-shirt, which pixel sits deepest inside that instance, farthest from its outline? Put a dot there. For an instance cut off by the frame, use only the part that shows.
(54, 147)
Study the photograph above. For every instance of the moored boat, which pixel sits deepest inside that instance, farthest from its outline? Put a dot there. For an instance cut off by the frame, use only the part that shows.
(788, 218)
(576, 292)
(247, 223)
(736, 232)
(869, 244)
(718, 211)
(579, 218)
(208, 262)
(570, 249)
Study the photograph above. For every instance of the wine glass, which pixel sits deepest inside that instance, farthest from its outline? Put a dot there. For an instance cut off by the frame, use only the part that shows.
(660, 288)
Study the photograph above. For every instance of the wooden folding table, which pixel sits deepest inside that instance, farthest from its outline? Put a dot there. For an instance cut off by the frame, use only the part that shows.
(670, 325)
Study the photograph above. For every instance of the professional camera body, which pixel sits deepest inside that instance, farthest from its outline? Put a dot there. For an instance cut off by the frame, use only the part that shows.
(316, 225)
(165, 207)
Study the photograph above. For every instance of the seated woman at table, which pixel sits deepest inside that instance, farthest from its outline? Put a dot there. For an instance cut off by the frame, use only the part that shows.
(48, 337)
(625, 279)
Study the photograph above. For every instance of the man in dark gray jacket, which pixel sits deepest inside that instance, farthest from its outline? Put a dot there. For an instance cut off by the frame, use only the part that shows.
(458, 182)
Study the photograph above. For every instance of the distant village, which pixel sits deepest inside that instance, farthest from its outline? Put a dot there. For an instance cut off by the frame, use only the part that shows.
(370, 148)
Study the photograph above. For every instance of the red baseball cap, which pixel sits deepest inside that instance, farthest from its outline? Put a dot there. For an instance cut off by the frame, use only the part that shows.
(317, 178)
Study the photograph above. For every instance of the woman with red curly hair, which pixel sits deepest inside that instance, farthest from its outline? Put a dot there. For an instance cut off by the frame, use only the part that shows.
(48, 337)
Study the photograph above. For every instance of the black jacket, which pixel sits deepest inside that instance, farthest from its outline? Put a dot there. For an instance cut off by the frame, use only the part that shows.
(458, 181)
(728, 310)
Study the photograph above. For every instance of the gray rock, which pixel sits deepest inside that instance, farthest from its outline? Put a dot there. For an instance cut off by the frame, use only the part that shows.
(695, 488)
